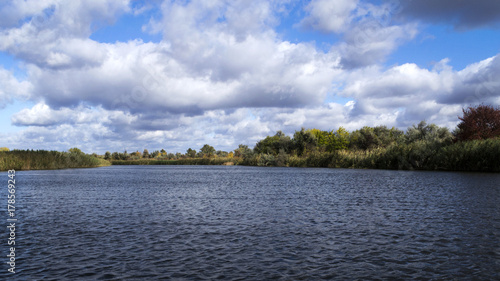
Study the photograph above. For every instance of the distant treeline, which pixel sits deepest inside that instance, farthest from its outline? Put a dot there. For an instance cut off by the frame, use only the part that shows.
(47, 160)
(181, 161)
(473, 146)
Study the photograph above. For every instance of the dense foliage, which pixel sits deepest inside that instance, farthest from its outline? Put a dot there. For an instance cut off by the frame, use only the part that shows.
(46, 160)
(422, 147)
(478, 123)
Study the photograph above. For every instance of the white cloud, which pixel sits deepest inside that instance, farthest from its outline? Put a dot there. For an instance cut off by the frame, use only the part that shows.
(329, 16)
(49, 30)
(43, 115)
(415, 93)
(203, 63)
(370, 42)
(12, 88)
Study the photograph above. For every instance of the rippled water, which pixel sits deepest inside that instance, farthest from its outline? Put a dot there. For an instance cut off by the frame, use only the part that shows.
(250, 223)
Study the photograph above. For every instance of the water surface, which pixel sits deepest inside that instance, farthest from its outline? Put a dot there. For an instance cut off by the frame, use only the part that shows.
(251, 223)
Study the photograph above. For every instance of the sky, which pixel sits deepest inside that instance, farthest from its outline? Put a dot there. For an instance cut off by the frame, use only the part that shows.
(116, 75)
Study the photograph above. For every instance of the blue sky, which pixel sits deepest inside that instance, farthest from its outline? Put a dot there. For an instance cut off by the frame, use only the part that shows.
(112, 75)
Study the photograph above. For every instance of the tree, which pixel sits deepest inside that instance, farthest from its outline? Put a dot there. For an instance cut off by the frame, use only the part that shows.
(428, 132)
(481, 122)
(368, 137)
(124, 155)
(4, 149)
(145, 153)
(115, 156)
(340, 139)
(221, 153)
(304, 141)
(135, 155)
(75, 150)
(273, 145)
(207, 151)
(163, 152)
(191, 153)
(322, 137)
(154, 154)
(243, 151)
(107, 155)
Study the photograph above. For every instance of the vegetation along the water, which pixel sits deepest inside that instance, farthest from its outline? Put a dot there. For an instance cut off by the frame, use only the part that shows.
(473, 146)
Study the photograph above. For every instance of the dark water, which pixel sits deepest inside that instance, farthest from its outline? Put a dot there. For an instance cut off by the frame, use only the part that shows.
(249, 223)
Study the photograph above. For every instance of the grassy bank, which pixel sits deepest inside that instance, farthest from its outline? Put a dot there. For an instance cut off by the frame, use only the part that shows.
(477, 156)
(47, 160)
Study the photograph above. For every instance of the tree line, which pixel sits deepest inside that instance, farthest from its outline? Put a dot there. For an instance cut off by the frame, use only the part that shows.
(473, 146)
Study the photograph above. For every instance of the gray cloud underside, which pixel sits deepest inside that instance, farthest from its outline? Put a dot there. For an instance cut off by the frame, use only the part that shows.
(463, 14)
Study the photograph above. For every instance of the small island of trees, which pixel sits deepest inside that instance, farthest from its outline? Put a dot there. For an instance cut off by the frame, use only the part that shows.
(473, 146)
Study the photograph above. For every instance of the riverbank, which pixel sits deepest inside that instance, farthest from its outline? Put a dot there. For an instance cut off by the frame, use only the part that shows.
(48, 160)
(184, 161)
(473, 156)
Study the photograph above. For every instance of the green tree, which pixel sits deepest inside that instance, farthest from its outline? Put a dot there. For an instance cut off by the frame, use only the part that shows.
(322, 137)
(369, 138)
(145, 153)
(75, 150)
(115, 156)
(107, 155)
(135, 155)
(154, 154)
(124, 155)
(428, 132)
(221, 153)
(207, 151)
(304, 142)
(340, 139)
(243, 151)
(273, 145)
(191, 153)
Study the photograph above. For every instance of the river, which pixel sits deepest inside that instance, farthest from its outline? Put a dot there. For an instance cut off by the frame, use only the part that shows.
(252, 223)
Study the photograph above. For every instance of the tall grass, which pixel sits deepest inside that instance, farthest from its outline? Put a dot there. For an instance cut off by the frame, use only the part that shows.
(47, 160)
(477, 155)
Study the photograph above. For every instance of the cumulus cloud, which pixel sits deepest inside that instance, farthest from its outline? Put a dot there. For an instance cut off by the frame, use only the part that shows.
(205, 62)
(43, 115)
(368, 32)
(47, 33)
(461, 14)
(370, 43)
(329, 16)
(413, 93)
(139, 77)
(12, 88)
(477, 83)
